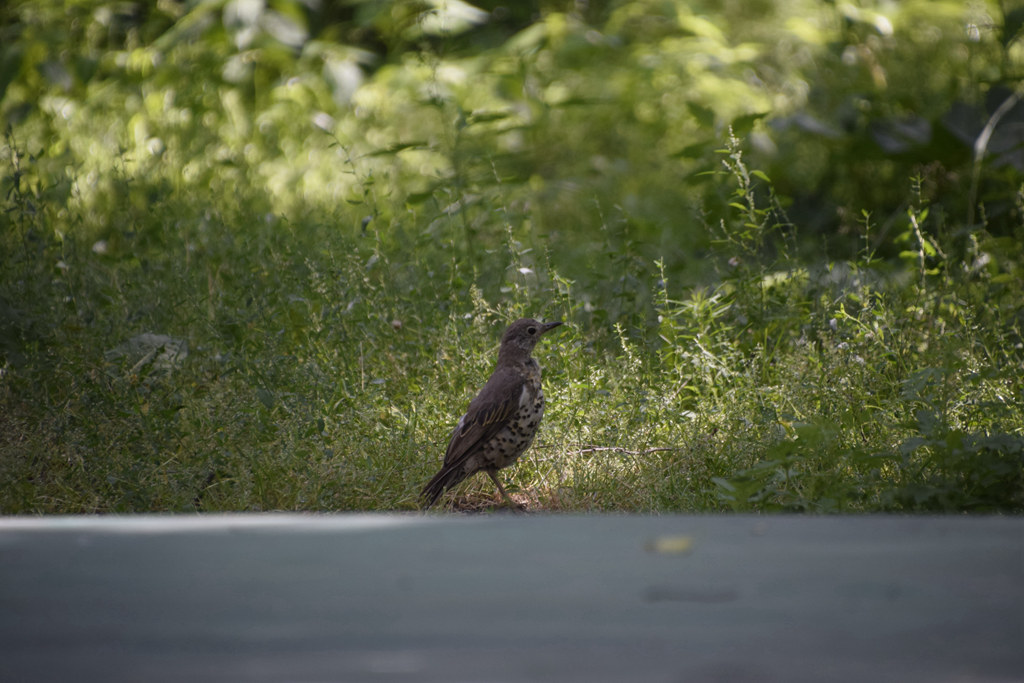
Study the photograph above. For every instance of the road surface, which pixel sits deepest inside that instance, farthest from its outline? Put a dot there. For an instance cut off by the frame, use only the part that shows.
(508, 598)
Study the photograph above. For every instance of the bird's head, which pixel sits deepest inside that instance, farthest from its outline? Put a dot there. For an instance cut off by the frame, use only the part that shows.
(522, 335)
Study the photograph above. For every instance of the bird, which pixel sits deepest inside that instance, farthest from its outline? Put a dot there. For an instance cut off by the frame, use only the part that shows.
(500, 423)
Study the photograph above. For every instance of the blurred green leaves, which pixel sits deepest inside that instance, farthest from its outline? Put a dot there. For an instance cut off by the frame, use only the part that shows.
(623, 104)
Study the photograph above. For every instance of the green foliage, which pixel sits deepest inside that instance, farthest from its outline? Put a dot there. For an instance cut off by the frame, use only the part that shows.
(257, 255)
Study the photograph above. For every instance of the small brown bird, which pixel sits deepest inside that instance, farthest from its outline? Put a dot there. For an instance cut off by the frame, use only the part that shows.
(501, 421)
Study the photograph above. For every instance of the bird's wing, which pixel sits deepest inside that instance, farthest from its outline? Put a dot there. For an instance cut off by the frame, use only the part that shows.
(487, 414)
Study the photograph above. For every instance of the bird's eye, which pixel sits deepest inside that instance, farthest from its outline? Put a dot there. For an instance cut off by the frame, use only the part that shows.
(531, 330)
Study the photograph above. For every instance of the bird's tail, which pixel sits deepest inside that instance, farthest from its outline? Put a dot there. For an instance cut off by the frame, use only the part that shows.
(442, 481)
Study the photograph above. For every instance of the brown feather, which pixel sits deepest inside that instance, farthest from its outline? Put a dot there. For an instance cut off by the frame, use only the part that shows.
(486, 414)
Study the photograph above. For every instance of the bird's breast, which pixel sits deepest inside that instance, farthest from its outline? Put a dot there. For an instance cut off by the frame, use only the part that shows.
(531, 404)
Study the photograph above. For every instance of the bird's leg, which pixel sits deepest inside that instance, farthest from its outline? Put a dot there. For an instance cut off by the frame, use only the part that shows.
(494, 478)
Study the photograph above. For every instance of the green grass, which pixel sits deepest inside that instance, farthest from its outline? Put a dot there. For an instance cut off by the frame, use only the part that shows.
(325, 370)
(776, 298)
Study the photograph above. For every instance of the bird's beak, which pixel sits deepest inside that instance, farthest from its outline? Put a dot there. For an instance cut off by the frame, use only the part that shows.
(549, 326)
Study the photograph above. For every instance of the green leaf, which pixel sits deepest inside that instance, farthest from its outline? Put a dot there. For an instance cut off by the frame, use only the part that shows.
(1013, 24)
(704, 115)
(487, 116)
(697, 150)
(742, 125)
(395, 148)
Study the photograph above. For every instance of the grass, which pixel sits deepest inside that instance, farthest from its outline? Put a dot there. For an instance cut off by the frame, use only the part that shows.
(790, 269)
(325, 368)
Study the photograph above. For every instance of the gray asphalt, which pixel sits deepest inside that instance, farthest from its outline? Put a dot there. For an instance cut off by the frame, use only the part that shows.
(508, 598)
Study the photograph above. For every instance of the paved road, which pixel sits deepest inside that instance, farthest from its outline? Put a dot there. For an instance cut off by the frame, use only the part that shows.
(509, 598)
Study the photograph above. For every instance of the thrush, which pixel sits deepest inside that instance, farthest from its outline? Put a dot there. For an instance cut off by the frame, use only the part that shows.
(502, 420)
